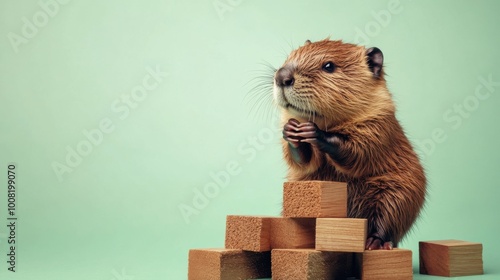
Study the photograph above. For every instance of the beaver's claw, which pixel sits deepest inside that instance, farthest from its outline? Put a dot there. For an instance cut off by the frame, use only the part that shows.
(376, 243)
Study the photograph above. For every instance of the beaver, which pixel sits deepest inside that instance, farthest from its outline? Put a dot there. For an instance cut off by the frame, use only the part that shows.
(339, 124)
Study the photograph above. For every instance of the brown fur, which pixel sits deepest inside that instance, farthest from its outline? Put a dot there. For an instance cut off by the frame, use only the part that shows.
(386, 183)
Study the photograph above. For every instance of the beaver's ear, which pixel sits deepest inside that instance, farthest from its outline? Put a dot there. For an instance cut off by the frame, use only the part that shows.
(307, 42)
(375, 60)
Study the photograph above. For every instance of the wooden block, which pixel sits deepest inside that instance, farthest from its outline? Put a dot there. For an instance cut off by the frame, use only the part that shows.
(393, 264)
(451, 258)
(292, 233)
(302, 264)
(228, 264)
(341, 235)
(315, 199)
(251, 233)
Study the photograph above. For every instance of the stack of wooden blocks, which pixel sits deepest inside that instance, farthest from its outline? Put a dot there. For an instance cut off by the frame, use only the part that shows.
(313, 240)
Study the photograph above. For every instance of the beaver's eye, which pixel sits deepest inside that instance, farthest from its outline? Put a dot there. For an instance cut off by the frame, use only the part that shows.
(329, 67)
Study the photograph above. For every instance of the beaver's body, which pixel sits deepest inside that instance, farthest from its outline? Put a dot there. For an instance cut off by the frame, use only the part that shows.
(340, 125)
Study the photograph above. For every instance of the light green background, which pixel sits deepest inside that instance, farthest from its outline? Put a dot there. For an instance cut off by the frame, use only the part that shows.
(116, 215)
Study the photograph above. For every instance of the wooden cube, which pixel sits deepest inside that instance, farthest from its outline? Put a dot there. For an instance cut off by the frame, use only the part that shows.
(302, 264)
(451, 258)
(228, 264)
(251, 233)
(341, 235)
(315, 199)
(393, 264)
(292, 233)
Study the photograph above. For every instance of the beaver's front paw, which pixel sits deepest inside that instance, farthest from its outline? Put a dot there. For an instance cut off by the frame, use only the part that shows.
(292, 133)
(325, 141)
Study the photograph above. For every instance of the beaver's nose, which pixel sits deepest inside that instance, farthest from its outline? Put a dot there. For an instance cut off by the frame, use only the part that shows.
(284, 77)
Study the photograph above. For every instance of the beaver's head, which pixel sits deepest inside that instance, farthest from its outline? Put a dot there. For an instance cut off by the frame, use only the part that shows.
(330, 82)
